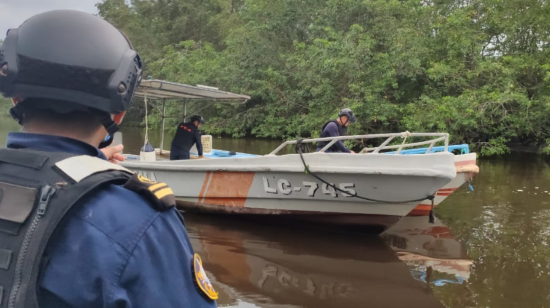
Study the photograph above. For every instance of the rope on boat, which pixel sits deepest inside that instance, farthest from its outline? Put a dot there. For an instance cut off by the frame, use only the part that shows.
(404, 135)
(307, 171)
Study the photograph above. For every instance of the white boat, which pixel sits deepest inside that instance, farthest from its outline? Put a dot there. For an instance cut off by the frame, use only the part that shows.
(373, 189)
(465, 163)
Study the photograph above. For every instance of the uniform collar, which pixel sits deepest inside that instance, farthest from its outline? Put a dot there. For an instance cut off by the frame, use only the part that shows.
(50, 143)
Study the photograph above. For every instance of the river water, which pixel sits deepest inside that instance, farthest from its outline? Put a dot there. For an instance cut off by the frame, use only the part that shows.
(488, 248)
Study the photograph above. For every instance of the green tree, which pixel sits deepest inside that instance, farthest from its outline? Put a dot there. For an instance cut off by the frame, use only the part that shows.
(476, 69)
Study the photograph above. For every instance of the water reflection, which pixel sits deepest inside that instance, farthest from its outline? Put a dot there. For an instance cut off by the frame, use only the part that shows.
(434, 257)
(272, 266)
(505, 224)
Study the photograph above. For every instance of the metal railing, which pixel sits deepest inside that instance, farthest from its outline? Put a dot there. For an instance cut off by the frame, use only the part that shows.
(437, 137)
(461, 148)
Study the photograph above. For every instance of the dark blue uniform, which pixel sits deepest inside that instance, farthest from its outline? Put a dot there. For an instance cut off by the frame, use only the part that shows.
(332, 129)
(114, 249)
(187, 134)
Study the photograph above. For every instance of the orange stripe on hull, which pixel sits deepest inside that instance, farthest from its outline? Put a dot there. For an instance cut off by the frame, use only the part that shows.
(466, 162)
(228, 188)
(421, 210)
(424, 209)
(447, 189)
(204, 184)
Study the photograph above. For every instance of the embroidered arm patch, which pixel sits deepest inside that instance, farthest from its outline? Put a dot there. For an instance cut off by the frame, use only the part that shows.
(202, 280)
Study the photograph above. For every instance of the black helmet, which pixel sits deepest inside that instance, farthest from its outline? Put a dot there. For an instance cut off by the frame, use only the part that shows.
(347, 112)
(69, 60)
(197, 118)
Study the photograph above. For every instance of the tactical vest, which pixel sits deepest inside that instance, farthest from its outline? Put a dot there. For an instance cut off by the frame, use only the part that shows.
(343, 131)
(37, 189)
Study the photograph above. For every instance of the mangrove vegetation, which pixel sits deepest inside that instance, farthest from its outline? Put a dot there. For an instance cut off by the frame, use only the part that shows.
(477, 69)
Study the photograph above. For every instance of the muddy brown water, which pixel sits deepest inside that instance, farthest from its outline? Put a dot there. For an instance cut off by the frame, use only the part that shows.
(488, 248)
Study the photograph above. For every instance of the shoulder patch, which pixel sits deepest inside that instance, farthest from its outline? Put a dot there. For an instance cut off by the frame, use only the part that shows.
(202, 280)
(80, 167)
(159, 194)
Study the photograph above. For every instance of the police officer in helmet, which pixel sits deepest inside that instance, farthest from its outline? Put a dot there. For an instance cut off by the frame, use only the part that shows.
(335, 128)
(187, 134)
(76, 230)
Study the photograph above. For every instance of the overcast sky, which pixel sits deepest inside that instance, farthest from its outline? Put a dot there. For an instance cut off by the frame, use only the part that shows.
(14, 12)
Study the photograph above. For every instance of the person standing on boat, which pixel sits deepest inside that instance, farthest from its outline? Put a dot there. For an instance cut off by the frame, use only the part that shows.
(335, 128)
(75, 229)
(187, 134)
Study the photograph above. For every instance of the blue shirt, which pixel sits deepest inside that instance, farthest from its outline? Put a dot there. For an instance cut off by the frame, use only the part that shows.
(114, 249)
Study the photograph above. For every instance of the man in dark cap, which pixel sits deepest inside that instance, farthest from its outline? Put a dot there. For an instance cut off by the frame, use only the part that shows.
(335, 128)
(75, 229)
(187, 135)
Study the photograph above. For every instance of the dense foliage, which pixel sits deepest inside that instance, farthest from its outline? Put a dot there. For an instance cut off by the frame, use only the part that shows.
(477, 69)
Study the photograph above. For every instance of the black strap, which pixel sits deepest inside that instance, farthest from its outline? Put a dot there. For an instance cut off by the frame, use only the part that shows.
(5, 258)
(16, 113)
(322, 144)
(23, 158)
(110, 126)
(323, 128)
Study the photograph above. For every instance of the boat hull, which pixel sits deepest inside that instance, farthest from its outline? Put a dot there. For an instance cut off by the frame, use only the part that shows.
(466, 169)
(278, 185)
(357, 222)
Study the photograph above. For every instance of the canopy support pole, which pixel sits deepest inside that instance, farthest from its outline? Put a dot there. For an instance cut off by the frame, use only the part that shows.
(146, 122)
(185, 111)
(163, 120)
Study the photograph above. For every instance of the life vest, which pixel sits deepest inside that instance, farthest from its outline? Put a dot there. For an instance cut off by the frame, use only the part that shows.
(37, 190)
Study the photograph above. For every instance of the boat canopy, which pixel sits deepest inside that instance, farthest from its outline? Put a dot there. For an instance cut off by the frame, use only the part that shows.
(154, 89)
